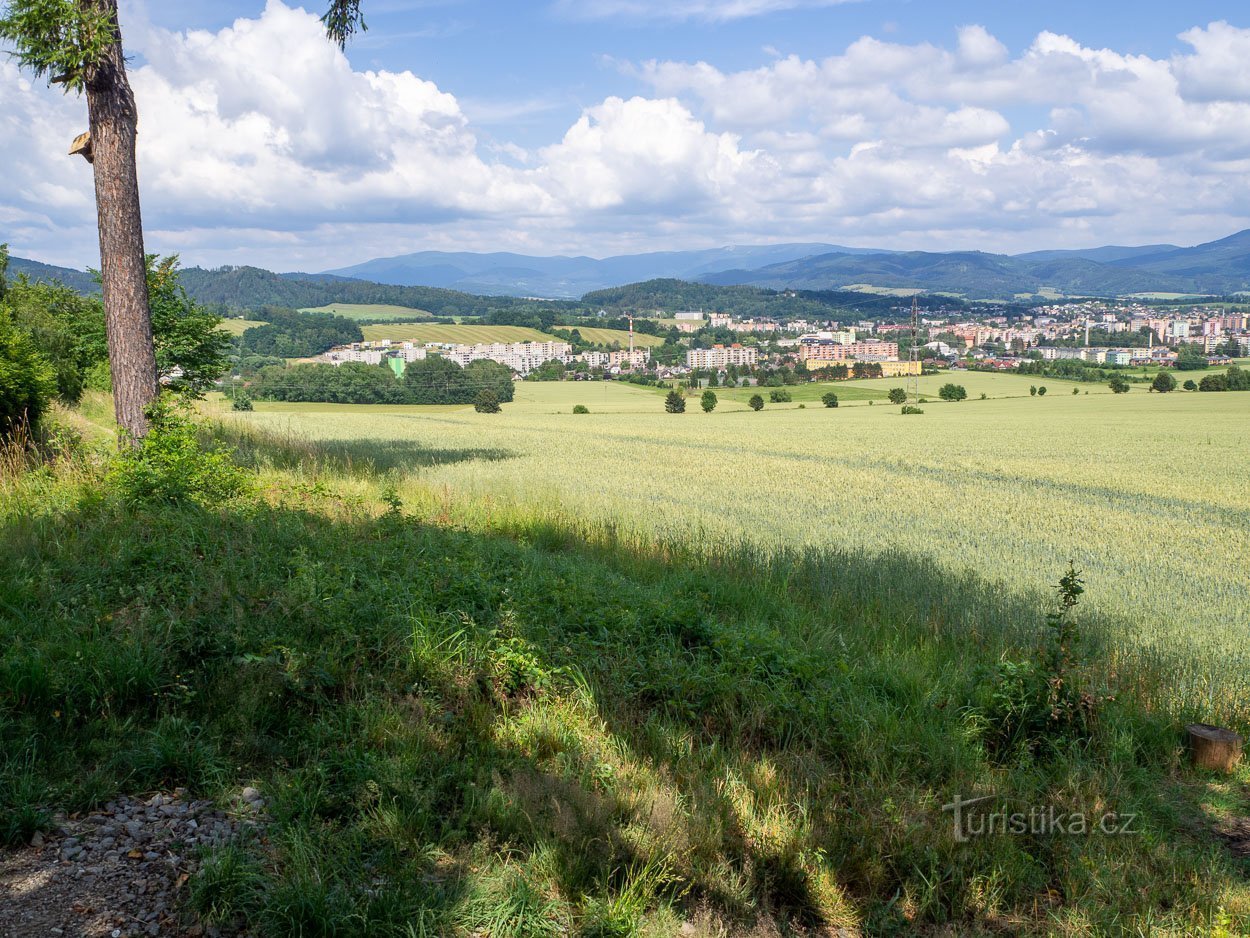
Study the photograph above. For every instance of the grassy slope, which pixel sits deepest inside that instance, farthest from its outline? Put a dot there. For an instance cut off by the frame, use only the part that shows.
(474, 718)
(239, 326)
(409, 332)
(619, 336)
(371, 311)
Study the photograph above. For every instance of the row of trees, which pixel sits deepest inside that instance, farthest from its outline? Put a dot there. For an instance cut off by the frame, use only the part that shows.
(433, 380)
(288, 333)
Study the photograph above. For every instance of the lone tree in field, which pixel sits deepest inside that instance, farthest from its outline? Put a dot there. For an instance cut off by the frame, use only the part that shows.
(953, 392)
(1163, 382)
(756, 402)
(1118, 385)
(829, 399)
(708, 401)
(486, 402)
(675, 402)
(898, 396)
(77, 44)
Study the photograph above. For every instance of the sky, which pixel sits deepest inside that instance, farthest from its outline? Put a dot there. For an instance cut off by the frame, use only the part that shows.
(602, 127)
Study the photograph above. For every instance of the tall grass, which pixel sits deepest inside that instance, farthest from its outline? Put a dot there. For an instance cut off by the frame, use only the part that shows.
(479, 717)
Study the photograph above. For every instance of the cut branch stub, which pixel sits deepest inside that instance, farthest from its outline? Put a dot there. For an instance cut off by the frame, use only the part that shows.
(82, 146)
(1214, 747)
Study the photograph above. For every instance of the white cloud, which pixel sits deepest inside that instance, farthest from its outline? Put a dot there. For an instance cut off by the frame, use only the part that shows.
(260, 143)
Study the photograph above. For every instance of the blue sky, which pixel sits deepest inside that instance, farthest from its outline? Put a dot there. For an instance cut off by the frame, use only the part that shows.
(605, 126)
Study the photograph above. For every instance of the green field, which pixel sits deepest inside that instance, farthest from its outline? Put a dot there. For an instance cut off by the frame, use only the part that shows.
(239, 326)
(1011, 486)
(619, 336)
(416, 332)
(371, 311)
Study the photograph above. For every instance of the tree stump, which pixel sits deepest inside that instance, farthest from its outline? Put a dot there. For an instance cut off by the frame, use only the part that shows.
(1214, 747)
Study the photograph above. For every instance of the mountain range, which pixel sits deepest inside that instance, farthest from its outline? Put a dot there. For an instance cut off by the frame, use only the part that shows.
(1217, 268)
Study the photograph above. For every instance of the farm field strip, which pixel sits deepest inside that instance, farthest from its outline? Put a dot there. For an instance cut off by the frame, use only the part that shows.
(1145, 492)
(469, 335)
(371, 311)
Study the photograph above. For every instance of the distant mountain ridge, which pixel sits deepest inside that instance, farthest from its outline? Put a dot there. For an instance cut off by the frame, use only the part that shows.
(457, 282)
(563, 277)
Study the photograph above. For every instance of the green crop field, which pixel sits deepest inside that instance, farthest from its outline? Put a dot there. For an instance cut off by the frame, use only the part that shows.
(1144, 491)
(238, 326)
(417, 332)
(619, 336)
(371, 311)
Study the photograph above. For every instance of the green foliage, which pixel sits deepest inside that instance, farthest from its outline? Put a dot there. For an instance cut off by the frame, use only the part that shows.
(27, 381)
(1039, 700)
(756, 402)
(909, 409)
(829, 399)
(1041, 391)
(241, 401)
(66, 328)
(60, 40)
(1118, 385)
(291, 334)
(580, 409)
(866, 370)
(190, 347)
(953, 392)
(348, 383)
(1235, 379)
(342, 19)
(4, 270)
(486, 402)
(1163, 382)
(675, 402)
(1191, 358)
(780, 397)
(170, 464)
(897, 396)
(708, 401)
(1189, 385)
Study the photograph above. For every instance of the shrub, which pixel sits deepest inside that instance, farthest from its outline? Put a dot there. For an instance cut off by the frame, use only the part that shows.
(1076, 391)
(983, 395)
(580, 409)
(708, 402)
(1041, 392)
(242, 401)
(756, 402)
(1163, 383)
(780, 397)
(675, 402)
(486, 402)
(27, 381)
(953, 392)
(909, 409)
(170, 465)
(1189, 385)
(1032, 390)
(1118, 385)
(829, 399)
(898, 396)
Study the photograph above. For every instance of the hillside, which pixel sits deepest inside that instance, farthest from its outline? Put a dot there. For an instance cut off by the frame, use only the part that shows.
(78, 280)
(566, 277)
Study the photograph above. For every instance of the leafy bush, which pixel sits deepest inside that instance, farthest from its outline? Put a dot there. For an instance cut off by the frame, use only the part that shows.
(1041, 392)
(170, 465)
(756, 402)
(242, 401)
(580, 409)
(486, 402)
(1189, 385)
(780, 397)
(953, 392)
(909, 409)
(898, 396)
(1163, 382)
(1235, 379)
(675, 402)
(27, 381)
(708, 401)
(1118, 385)
(829, 399)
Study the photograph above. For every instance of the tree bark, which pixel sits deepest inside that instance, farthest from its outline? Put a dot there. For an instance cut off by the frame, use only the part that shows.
(114, 121)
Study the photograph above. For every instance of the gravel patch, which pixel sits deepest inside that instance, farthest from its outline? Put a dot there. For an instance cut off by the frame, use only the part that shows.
(120, 871)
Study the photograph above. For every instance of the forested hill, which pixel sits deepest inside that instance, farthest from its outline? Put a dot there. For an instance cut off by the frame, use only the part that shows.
(252, 288)
(79, 280)
(747, 301)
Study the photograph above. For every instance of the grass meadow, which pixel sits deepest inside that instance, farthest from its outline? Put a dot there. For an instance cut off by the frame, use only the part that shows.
(619, 337)
(371, 311)
(418, 332)
(629, 673)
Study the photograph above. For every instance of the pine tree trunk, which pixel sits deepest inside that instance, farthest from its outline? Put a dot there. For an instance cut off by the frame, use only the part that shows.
(128, 318)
